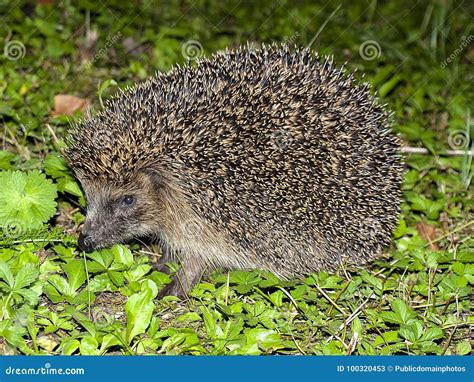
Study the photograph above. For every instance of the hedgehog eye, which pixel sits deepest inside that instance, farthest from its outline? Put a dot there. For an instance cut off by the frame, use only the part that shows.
(128, 200)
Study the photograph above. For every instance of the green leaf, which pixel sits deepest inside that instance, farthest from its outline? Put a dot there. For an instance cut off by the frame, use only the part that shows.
(76, 274)
(5, 159)
(431, 334)
(185, 340)
(60, 283)
(122, 255)
(103, 86)
(108, 341)
(6, 274)
(55, 166)
(27, 200)
(265, 338)
(26, 276)
(70, 346)
(463, 348)
(89, 346)
(401, 314)
(103, 259)
(53, 293)
(387, 337)
(412, 332)
(117, 278)
(388, 86)
(139, 309)
(189, 317)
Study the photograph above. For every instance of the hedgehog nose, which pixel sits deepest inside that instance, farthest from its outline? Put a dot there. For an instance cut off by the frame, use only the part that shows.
(85, 242)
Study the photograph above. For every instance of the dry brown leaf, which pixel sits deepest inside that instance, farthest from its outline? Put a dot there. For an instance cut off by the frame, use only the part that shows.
(65, 104)
(427, 233)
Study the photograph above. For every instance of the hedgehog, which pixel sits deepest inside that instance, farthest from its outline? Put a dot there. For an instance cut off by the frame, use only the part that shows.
(268, 158)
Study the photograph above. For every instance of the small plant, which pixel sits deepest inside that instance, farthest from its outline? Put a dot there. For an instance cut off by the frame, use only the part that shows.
(27, 201)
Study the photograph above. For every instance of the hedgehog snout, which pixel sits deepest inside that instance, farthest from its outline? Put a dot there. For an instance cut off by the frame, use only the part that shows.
(85, 242)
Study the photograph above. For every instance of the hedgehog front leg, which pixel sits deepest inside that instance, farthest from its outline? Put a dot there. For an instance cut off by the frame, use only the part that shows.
(184, 280)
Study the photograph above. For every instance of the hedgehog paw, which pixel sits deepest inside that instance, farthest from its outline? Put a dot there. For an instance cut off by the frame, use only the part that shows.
(182, 283)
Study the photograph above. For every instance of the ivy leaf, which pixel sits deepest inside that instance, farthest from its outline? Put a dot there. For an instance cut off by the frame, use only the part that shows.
(27, 200)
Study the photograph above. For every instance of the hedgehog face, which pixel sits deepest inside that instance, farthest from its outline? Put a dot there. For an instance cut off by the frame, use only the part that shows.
(118, 212)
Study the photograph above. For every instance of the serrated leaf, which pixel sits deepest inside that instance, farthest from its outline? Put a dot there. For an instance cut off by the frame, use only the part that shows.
(53, 294)
(401, 314)
(76, 274)
(30, 295)
(55, 165)
(26, 276)
(27, 200)
(117, 278)
(60, 284)
(5, 159)
(431, 334)
(6, 274)
(103, 258)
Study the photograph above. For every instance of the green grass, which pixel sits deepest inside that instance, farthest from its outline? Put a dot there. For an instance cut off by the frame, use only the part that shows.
(55, 299)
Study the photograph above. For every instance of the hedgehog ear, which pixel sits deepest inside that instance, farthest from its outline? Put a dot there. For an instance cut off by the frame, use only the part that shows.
(154, 175)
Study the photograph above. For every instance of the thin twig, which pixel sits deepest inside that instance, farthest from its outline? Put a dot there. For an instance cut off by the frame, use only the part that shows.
(330, 300)
(448, 341)
(422, 150)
